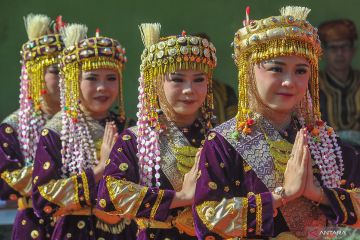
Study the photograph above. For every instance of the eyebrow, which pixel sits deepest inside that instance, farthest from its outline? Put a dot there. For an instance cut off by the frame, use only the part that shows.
(92, 74)
(182, 75)
(96, 75)
(284, 64)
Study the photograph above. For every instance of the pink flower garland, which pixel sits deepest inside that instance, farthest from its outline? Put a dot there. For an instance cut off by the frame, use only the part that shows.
(148, 141)
(31, 121)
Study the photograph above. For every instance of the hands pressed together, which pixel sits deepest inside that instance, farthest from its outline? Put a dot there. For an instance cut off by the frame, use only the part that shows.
(298, 177)
(109, 139)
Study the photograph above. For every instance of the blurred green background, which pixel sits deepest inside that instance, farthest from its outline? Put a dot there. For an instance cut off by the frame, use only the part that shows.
(120, 19)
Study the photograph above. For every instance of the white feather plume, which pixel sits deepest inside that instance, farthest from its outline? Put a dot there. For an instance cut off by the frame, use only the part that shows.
(150, 33)
(37, 25)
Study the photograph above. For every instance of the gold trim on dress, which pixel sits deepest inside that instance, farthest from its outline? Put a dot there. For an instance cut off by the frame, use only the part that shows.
(156, 204)
(86, 188)
(63, 192)
(343, 209)
(125, 196)
(258, 214)
(227, 218)
(19, 179)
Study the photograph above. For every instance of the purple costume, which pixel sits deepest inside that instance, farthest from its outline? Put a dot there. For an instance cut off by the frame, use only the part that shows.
(70, 200)
(233, 195)
(15, 184)
(121, 193)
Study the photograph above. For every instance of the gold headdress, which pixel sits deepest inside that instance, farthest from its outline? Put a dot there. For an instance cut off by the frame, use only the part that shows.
(162, 56)
(83, 54)
(41, 51)
(287, 34)
(168, 54)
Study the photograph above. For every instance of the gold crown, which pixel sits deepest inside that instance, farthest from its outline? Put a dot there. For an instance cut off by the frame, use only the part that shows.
(278, 33)
(284, 35)
(48, 45)
(176, 52)
(95, 48)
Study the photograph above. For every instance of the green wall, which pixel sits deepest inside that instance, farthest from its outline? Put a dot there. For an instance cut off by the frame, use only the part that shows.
(120, 19)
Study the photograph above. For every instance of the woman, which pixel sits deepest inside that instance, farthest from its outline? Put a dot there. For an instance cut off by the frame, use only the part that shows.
(144, 178)
(275, 169)
(19, 132)
(69, 163)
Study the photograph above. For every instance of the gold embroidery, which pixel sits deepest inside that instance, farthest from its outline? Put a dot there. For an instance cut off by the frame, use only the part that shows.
(81, 224)
(226, 189)
(126, 137)
(225, 217)
(185, 157)
(5, 144)
(123, 167)
(107, 162)
(222, 165)
(210, 213)
(237, 183)
(206, 211)
(147, 205)
(76, 194)
(119, 149)
(35, 179)
(125, 201)
(343, 209)
(68, 235)
(211, 136)
(34, 234)
(9, 130)
(244, 217)
(86, 188)
(19, 179)
(342, 197)
(45, 132)
(102, 203)
(252, 210)
(23, 222)
(46, 165)
(212, 185)
(246, 166)
(62, 192)
(156, 204)
(258, 214)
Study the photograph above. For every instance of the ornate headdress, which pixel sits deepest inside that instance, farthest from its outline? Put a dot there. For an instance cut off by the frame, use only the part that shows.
(284, 35)
(41, 51)
(162, 56)
(83, 54)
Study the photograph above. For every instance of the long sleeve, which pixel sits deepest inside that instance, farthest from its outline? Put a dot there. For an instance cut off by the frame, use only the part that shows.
(341, 210)
(226, 204)
(120, 192)
(53, 194)
(15, 178)
(344, 201)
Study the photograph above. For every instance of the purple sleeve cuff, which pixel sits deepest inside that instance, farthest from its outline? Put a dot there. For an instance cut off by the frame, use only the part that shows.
(341, 209)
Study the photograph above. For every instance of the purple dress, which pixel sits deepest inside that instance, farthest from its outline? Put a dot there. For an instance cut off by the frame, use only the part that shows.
(69, 200)
(121, 193)
(15, 184)
(233, 194)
